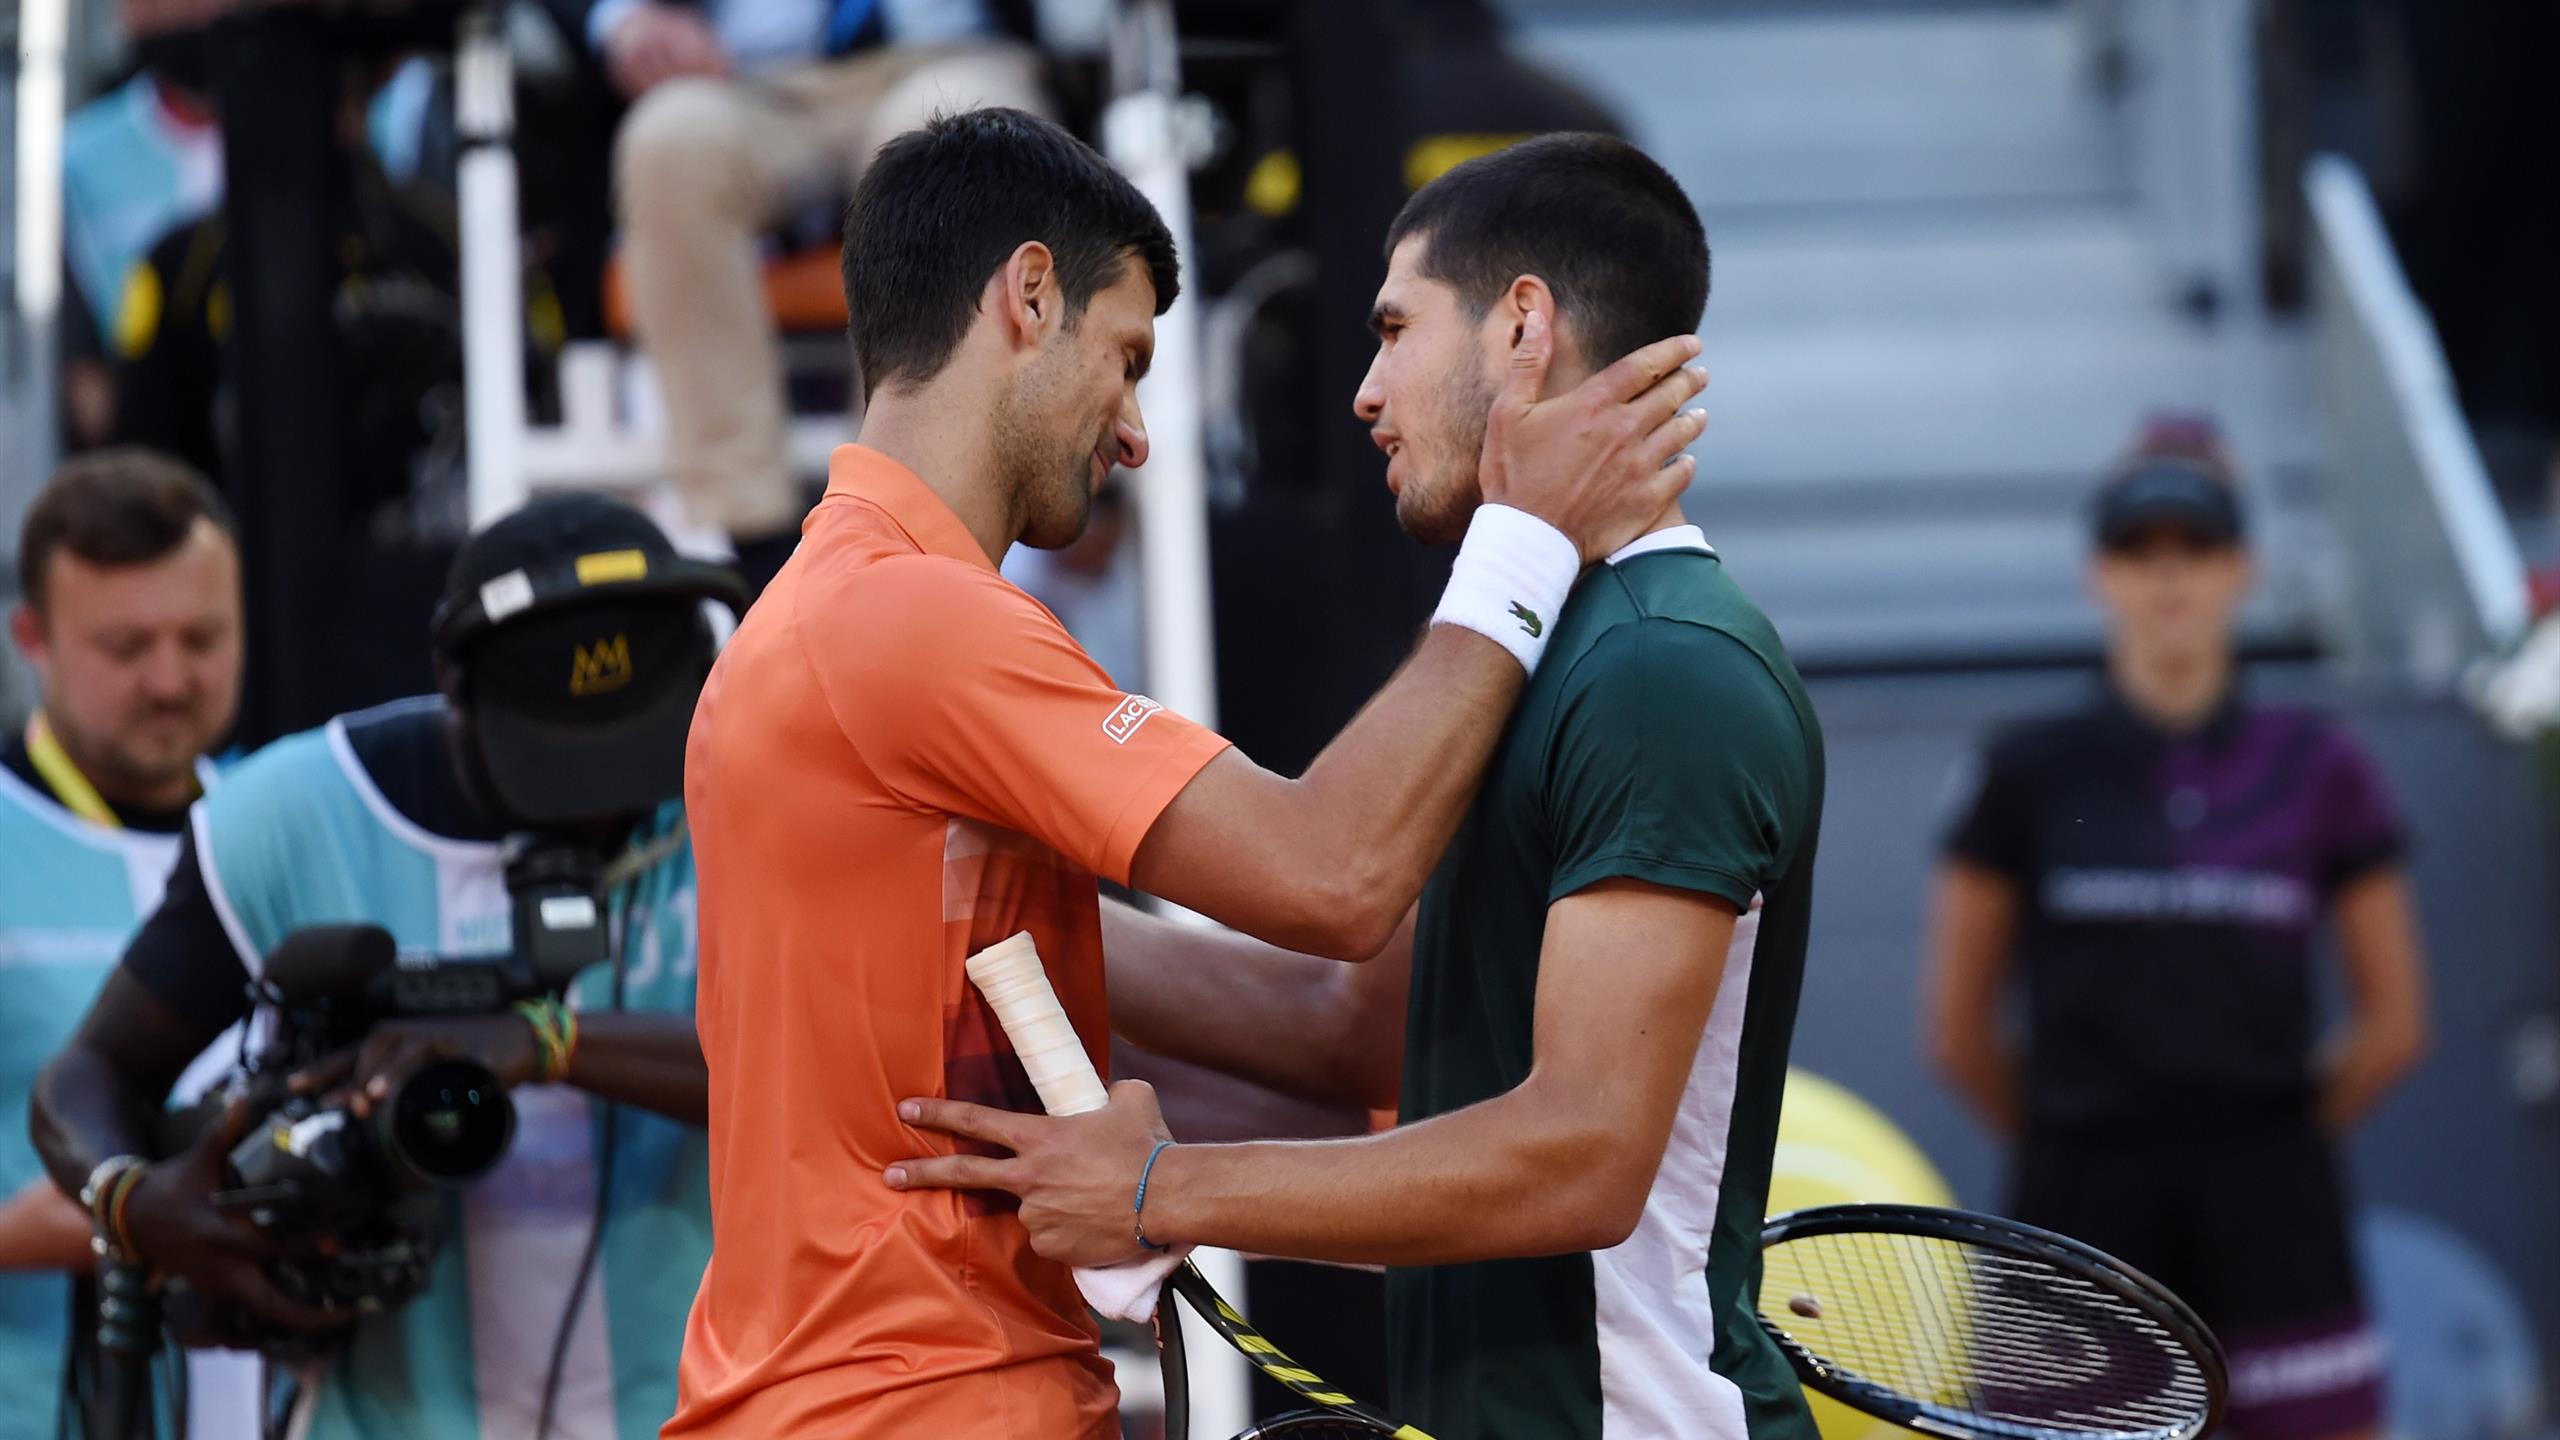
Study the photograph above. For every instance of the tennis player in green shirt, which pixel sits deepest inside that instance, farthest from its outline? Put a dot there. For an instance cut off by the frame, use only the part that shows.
(1585, 1029)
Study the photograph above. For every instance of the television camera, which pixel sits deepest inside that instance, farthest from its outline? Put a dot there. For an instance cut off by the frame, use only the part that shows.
(374, 1184)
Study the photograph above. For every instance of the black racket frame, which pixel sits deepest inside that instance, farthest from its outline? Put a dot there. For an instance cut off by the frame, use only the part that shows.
(2009, 1237)
(1335, 1414)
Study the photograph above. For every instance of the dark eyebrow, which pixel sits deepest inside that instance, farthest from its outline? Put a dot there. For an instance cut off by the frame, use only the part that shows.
(1385, 311)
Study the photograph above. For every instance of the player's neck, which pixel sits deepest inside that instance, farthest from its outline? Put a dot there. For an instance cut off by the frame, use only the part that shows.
(955, 461)
(2173, 692)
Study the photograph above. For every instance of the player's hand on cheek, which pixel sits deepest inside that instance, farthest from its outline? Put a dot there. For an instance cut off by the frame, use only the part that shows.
(1603, 460)
(1076, 1175)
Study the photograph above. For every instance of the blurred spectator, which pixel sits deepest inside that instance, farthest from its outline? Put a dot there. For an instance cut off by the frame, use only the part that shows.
(399, 353)
(2154, 868)
(744, 112)
(132, 622)
(137, 162)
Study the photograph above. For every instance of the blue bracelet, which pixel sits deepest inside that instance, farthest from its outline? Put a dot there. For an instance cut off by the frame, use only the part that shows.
(1138, 1207)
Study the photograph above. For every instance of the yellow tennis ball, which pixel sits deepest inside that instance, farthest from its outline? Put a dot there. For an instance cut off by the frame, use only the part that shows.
(1836, 1149)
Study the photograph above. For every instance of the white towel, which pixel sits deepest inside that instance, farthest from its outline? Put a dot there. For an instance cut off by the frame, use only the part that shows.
(1127, 1291)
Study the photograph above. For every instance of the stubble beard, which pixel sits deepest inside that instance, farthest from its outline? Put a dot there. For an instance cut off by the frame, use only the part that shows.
(1436, 509)
(119, 764)
(1053, 491)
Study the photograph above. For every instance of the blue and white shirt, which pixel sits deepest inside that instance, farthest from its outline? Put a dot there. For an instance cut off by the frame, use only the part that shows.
(71, 894)
(132, 171)
(325, 828)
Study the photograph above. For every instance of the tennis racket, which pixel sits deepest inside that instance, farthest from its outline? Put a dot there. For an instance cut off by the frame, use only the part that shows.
(1978, 1328)
(1009, 974)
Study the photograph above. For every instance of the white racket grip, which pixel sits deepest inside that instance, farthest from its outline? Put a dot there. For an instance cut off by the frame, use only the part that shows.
(1010, 975)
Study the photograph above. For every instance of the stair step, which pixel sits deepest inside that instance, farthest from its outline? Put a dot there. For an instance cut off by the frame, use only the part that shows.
(1842, 401)
(1825, 109)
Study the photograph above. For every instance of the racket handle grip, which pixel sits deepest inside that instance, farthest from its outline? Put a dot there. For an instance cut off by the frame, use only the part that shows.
(1010, 975)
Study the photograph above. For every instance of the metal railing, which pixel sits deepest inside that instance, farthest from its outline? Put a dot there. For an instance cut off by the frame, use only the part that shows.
(2435, 579)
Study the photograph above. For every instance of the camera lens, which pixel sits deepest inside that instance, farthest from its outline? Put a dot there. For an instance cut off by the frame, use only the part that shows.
(449, 1123)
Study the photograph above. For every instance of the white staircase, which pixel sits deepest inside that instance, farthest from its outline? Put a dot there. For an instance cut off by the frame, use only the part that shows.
(1954, 267)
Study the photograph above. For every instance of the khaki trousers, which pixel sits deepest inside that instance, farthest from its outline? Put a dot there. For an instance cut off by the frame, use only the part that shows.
(702, 167)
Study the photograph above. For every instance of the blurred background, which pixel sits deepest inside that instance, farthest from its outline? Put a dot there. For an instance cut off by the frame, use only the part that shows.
(358, 260)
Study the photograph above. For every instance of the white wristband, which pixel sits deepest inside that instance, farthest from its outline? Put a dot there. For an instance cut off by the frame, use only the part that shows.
(1509, 584)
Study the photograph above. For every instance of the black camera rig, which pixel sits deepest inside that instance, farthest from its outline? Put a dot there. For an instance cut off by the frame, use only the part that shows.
(309, 1166)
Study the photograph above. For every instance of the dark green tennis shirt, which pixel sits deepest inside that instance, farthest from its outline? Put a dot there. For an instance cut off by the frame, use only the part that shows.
(1665, 738)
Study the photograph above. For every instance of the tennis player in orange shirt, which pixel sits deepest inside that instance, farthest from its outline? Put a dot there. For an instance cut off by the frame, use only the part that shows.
(901, 759)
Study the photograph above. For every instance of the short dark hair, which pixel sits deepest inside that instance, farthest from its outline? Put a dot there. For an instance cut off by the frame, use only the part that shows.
(122, 506)
(1606, 227)
(940, 208)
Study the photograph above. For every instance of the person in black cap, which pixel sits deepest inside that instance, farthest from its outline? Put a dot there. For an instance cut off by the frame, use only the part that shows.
(2154, 869)
(571, 648)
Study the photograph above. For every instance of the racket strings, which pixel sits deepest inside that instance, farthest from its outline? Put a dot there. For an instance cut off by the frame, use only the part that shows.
(1981, 1331)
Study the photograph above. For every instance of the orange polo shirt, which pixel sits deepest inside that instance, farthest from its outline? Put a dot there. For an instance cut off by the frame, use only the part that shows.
(899, 760)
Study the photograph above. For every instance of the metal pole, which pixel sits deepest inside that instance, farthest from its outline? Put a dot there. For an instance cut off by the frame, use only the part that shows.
(44, 37)
(492, 277)
(1144, 134)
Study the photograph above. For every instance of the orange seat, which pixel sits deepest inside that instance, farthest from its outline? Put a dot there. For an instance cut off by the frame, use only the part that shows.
(804, 291)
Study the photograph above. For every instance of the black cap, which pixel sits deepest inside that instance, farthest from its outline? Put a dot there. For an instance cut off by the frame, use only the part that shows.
(2164, 491)
(574, 637)
(549, 531)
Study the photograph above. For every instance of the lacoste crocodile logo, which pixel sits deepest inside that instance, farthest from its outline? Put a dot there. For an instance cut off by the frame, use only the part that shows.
(1528, 619)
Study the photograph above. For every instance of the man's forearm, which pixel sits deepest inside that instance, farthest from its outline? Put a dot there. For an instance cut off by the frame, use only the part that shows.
(86, 1110)
(2361, 1065)
(651, 1061)
(1230, 1002)
(1385, 798)
(1975, 917)
(1988, 1077)
(41, 1229)
(1328, 863)
(1494, 1180)
(1970, 1048)
(2385, 1033)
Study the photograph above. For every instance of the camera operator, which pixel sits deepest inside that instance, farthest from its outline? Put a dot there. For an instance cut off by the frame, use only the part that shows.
(570, 649)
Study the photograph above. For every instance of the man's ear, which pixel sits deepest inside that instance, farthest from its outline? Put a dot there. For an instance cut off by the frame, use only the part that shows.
(26, 630)
(1529, 294)
(1030, 299)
